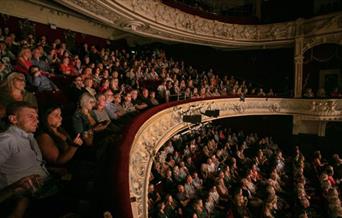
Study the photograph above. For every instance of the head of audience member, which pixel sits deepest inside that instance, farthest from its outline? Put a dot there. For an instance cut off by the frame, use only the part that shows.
(78, 82)
(337, 159)
(36, 53)
(128, 97)
(109, 96)
(25, 53)
(52, 118)
(145, 93)
(317, 155)
(89, 83)
(114, 84)
(16, 81)
(104, 85)
(134, 94)
(101, 101)
(87, 103)
(117, 98)
(87, 73)
(34, 71)
(23, 115)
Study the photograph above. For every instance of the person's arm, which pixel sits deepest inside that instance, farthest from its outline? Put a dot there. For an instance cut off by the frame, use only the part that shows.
(51, 153)
(29, 183)
(5, 148)
(111, 114)
(36, 81)
(87, 135)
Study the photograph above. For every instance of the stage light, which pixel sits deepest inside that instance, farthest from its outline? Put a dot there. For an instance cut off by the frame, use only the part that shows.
(193, 119)
(212, 113)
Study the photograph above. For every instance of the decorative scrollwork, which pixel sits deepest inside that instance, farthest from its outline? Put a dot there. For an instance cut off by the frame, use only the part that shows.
(152, 17)
(274, 108)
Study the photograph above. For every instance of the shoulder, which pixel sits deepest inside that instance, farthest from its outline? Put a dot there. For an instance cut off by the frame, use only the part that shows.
(7, 140)
(43, 136)
(77, 115)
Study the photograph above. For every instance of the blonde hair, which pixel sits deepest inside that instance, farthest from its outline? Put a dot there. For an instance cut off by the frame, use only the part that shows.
(8, 84)
(23, 50)
(85, 98)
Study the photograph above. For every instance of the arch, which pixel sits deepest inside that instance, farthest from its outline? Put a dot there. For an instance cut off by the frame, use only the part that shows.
(310, 43)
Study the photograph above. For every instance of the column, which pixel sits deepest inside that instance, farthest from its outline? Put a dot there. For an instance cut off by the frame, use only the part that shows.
(258, 5)
(321, 128)
(298, 58)
(298, 64)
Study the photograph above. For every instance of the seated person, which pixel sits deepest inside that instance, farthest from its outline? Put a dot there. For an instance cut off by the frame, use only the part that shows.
(13, 90)
(36, 79)
(66, 69)
(308, 93)
(128, 105)
(24, 61)
(153, 99)
(101, 115)
(76, 89)
(139, 103)
(55, 143)
(145, 98)
(88, 86)
(20, 155)
(37, 59)
(113, 105)
(83, 121)
(321, 93)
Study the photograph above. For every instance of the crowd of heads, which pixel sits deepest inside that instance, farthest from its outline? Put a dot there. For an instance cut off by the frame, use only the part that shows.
(148, 71)
(216, 172)
(322, 93)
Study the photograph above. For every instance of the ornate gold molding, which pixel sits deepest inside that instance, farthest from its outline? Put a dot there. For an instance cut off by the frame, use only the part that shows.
(160, 21)
(167, 123)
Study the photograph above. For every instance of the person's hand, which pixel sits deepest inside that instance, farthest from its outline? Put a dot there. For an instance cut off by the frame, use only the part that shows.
(36, 74)
(29, 183)
(78, 141)
(101, 126)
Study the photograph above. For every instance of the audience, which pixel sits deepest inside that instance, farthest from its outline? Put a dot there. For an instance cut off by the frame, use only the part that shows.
(264, 185)
(104, 89)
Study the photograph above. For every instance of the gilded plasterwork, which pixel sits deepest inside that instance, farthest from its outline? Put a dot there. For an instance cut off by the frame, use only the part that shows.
(169, 23)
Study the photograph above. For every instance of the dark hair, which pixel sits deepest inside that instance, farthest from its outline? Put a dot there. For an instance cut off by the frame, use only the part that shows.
(31, 67)
(44, 127)
(45, 113)
(14, 107)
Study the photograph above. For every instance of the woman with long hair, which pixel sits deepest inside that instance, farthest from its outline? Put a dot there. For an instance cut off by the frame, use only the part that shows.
(13, 89)
(84, 122)
(55, 143)
(24, 61)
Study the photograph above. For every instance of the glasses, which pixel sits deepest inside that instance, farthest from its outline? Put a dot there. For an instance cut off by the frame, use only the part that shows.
(20, 79)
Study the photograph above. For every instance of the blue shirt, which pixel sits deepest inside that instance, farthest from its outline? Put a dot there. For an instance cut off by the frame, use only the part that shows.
(20, 156)
(112, 110)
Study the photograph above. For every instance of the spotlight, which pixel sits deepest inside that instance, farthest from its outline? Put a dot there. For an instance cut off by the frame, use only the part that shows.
(212, 113)
(194, 119)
